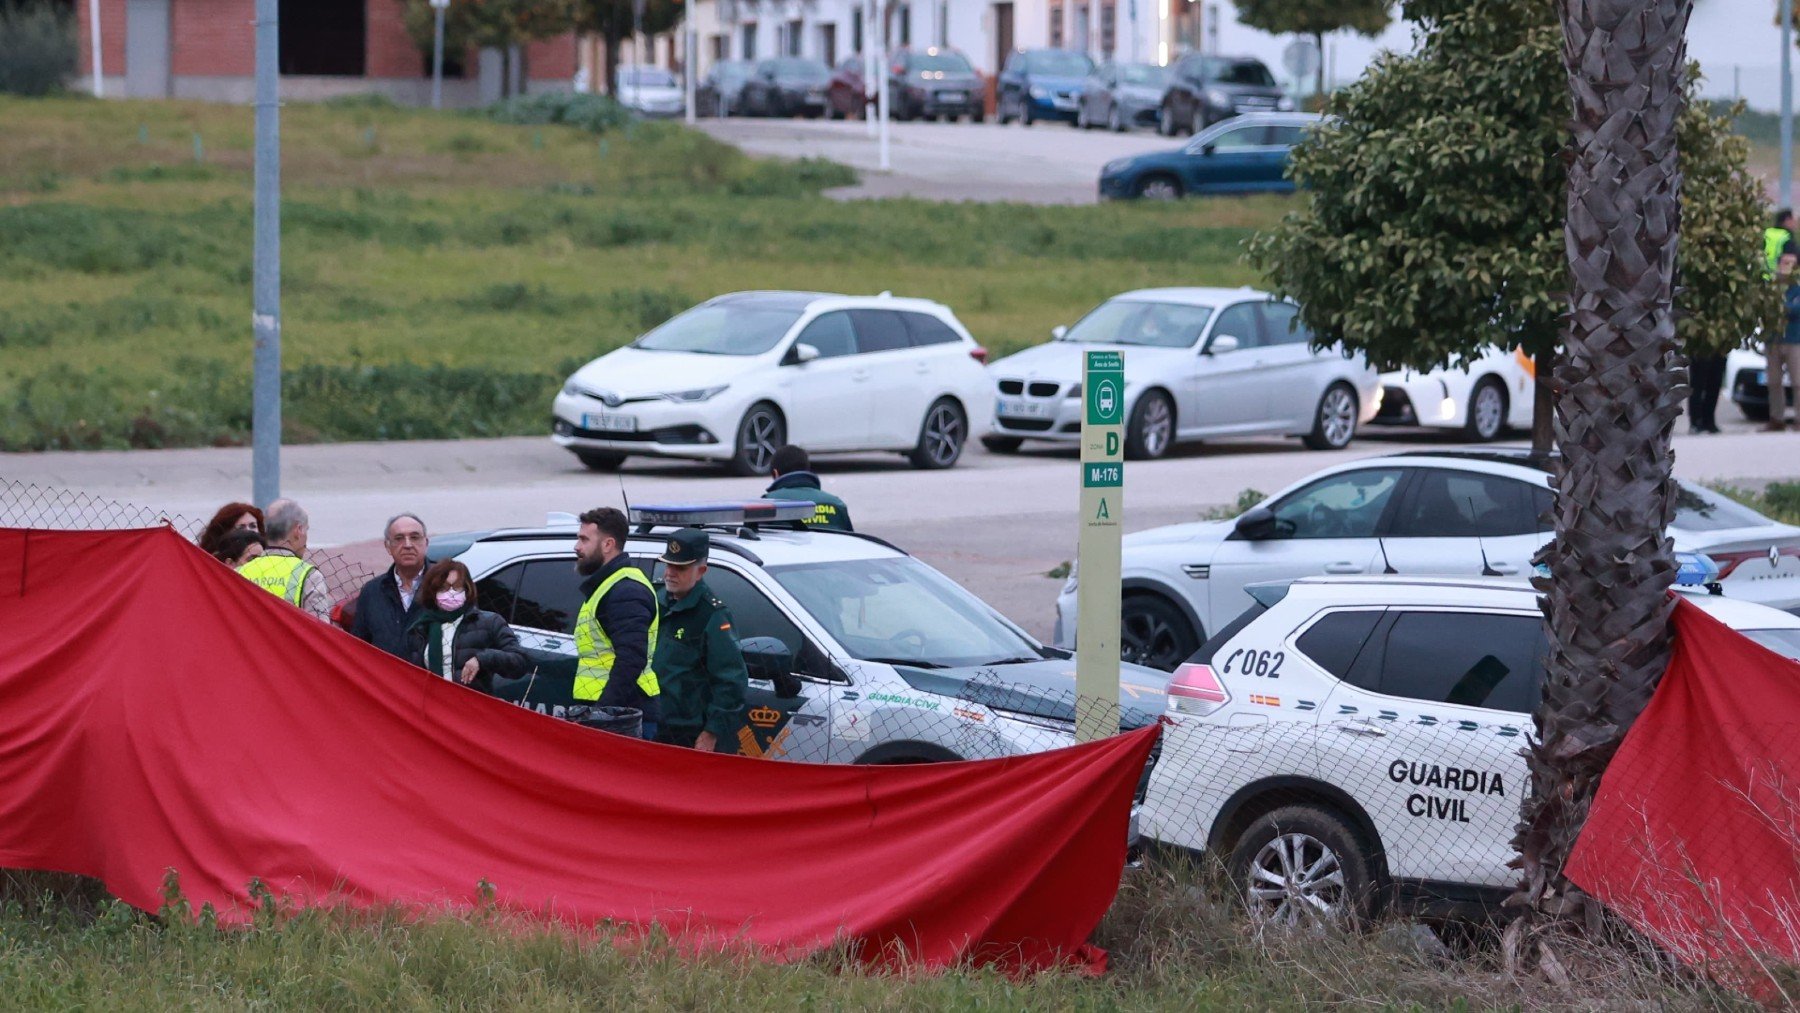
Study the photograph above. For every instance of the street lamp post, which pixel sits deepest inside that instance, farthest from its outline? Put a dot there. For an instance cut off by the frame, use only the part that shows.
(437, 52)
(1787, 103)
(94, 42)
(881, 90)
(690, 69)
(265, 319)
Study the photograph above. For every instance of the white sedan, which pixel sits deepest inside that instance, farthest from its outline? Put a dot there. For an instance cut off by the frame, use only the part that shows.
(1438, 512)
(734, 378)
(1199, 363)
(1483, 397)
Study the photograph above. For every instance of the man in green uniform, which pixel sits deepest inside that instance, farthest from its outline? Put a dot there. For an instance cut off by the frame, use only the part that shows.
(794, 480)
(698, 660)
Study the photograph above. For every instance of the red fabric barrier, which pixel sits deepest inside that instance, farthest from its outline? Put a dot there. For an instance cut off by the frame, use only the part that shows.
(158, 712)
(1694, 836)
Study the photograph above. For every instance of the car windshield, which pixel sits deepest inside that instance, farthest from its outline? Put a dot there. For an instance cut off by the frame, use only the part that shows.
(646, 77)
(1056, 63)
(1129, 322)
(1783, 642)
(1247, 72)
(1140, 73)
(732, 71)
(802, 70)
(902, 611)
(721, 330)
(952, 62)
(1698, 509)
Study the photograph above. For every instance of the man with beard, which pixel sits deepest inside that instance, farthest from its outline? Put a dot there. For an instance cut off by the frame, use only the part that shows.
(615, 633)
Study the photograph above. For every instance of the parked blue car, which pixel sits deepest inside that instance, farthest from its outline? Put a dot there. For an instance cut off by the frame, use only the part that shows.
(1041, 84)
(1246, 154)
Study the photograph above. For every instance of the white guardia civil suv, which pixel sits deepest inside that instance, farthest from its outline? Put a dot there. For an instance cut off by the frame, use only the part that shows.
(1351, 741)
(737, 376)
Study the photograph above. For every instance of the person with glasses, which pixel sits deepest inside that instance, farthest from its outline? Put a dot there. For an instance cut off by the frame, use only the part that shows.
(387, 605)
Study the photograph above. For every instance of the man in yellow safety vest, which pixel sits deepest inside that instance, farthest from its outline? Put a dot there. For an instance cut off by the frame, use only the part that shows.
(615, 632)
(282, 569)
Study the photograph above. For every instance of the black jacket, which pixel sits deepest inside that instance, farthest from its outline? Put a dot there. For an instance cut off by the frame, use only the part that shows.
(381, 619)
(483, 636)
(625, 614)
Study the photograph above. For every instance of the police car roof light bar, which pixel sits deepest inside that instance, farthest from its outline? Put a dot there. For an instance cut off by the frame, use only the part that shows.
(747, 513)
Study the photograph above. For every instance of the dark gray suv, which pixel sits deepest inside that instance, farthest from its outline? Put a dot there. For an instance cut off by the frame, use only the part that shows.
(1202, 90)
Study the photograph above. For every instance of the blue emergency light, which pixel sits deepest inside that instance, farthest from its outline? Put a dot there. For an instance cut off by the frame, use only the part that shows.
(1695, 569)
(749, 511)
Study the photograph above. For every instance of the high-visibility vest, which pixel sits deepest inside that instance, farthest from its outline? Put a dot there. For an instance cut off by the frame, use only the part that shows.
(282, 576)
(594, 648)
(1774, 240)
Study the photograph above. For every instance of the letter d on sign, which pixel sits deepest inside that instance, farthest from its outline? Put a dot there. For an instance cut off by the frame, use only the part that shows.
(1112, 444)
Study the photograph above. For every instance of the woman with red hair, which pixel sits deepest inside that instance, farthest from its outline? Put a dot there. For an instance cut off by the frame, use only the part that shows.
(231, 517)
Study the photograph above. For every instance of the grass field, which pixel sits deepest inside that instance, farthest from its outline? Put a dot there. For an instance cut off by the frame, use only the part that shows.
(442, 272)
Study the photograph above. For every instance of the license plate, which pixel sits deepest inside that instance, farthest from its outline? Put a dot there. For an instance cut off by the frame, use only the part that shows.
(1021, 408)
(953, 96)
(607, 422)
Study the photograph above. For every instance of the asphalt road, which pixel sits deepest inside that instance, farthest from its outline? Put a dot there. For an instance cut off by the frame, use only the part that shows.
(1048, 163)
(998, 524)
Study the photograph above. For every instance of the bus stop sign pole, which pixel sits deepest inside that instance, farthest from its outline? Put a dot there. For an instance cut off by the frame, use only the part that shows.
(1097, 554)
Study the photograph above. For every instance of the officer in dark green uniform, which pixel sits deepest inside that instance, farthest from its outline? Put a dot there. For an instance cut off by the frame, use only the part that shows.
(698, 661)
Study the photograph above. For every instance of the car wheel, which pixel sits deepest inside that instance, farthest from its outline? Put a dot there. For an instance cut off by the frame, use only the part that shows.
(1154, 632)
(1755, 413)
(1002, 444)
(1114, 122)
(1025, 119)
(1152, 427)
(1487, 411)
(978, 116)
(1081, 117)
(1301, 866)
(600, 460)
(1165, 121)
(759, 435)
(1197, 122)
(1334, 423)
(941, 436)
(1158, 186)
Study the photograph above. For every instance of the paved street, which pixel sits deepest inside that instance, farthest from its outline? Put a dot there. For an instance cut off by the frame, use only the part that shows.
(995, 523)
(1048, 163)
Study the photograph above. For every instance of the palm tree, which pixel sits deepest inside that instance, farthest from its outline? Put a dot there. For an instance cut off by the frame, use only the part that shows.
(1621, 389)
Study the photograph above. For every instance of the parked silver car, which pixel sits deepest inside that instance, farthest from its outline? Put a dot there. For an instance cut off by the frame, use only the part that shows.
(1200, 363)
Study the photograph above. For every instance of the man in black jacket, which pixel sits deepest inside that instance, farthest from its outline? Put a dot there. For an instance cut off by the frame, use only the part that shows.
(615, 633)
(388, 604)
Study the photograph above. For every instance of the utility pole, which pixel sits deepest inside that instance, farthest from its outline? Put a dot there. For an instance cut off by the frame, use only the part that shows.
(1787, 103)
(690, 69)
(94, 42)
(871, 63)
(437, 52)
(881, 69)
(265, 413)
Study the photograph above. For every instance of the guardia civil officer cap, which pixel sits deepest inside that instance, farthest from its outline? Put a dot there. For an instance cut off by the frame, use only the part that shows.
(688, 545)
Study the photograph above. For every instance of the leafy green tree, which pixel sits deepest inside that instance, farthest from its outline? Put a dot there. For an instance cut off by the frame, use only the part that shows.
(1433, 220)
(496, 24)
(612, 20)
(1315, 18)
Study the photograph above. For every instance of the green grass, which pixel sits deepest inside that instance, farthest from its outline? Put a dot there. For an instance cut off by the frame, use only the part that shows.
(443, 272)
(1778, 500)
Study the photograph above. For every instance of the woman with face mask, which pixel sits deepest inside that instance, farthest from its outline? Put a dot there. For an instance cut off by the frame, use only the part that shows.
(452, 639)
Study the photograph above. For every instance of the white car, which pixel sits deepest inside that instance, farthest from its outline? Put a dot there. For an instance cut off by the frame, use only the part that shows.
(1483, 397)
(1443, 512)
(736, 377)
(649, 91)
(1747, 378)
(1200, 363)
(1348, 741)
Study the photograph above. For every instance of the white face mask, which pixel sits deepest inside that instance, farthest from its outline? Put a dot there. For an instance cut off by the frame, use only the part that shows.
(450, 601)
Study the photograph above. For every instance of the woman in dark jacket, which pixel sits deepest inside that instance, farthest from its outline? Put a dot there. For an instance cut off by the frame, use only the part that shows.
(452, 639)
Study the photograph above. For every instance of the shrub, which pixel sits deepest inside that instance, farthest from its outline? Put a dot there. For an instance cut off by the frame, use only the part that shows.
(37, 48)
(596, 114)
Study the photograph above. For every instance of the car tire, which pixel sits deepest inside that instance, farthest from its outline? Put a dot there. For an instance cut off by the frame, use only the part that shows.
(1114, 122)
(1197, 122)
(1165, 121)
(600, 460)
(1157, 186)
(978, 116)
(1025, 119)
(1150, 432)
(1002, 444)
(761, 431)
(1290, 863)
(1334, 420)
(1081, 118)
(1153, 631)
(942, 436)
(1487, 411)
(1755, 413)
(1000, 115)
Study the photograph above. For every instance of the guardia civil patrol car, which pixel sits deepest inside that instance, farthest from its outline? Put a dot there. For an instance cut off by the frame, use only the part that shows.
(1349, 742)
(858, 653)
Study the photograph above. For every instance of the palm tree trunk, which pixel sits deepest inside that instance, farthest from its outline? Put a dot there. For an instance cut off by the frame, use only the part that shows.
(1611, 563)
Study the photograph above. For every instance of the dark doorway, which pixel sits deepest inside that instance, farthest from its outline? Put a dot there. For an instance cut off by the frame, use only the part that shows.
(1003, 35)
(324, 37)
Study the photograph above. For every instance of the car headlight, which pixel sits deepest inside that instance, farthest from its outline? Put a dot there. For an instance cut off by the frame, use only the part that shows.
(570, 390)
(1284, 104)
(1117, 165)
(1039, 91)
(1218, 98)
(698, 394)
(1070, 584)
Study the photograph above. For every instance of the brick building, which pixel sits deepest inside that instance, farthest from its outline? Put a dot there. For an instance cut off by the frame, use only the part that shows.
(205, 49)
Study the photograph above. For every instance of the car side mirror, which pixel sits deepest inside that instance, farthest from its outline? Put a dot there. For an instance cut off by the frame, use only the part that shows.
(801, 354)
(768, 658)
(1256, 523)
(1058, 332)
(1206, 150)
(1223, 343)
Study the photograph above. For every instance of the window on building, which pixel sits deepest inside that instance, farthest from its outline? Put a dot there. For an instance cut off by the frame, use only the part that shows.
(1056, 26)
(794, 30)
(943, 22)
(326, 38)
(1109, 19)
(749, 33)
(828, 45)
(904, 15)
(719, 45)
